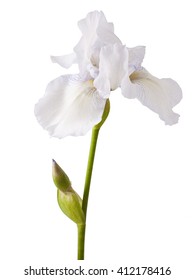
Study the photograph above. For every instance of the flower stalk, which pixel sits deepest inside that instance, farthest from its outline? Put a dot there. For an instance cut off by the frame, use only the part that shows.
(93, 143)
(81, 241)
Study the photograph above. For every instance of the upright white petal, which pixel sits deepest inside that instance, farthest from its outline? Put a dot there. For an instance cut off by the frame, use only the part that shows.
(135, 58)
(70, 106)
(96, 33)
(159, 95)
(112, 68)
(95, 24)
(105, 31)
(65, 60)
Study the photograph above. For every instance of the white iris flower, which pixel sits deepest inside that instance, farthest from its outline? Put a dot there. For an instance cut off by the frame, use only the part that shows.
(73, 104)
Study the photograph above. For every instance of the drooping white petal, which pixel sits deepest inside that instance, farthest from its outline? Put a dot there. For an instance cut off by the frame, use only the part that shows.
(159, 95)
(64, 60)
(96, 32)
(112, 68)
(70, 106)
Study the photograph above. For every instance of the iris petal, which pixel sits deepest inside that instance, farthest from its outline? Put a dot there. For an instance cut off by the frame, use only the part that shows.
(112, 68)
(96, 33)
(70, 106)
(64, 60)
(159, 95)
(135, 58)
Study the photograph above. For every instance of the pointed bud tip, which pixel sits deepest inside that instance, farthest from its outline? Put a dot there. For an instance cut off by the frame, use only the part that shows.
(54, 166)
(60, 178)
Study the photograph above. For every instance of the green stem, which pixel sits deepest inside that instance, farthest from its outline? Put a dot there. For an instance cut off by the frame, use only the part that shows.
(93, 143)
(89, 169)
(82, 228)
(81, 239)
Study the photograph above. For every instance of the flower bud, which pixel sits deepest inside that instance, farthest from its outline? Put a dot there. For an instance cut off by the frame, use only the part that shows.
(69, 201)
(60, 179)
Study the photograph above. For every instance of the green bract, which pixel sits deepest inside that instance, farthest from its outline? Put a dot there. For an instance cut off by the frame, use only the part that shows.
(71, 205)
(104, 115)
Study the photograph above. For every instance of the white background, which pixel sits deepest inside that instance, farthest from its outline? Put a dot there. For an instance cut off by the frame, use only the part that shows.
(141, 209)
